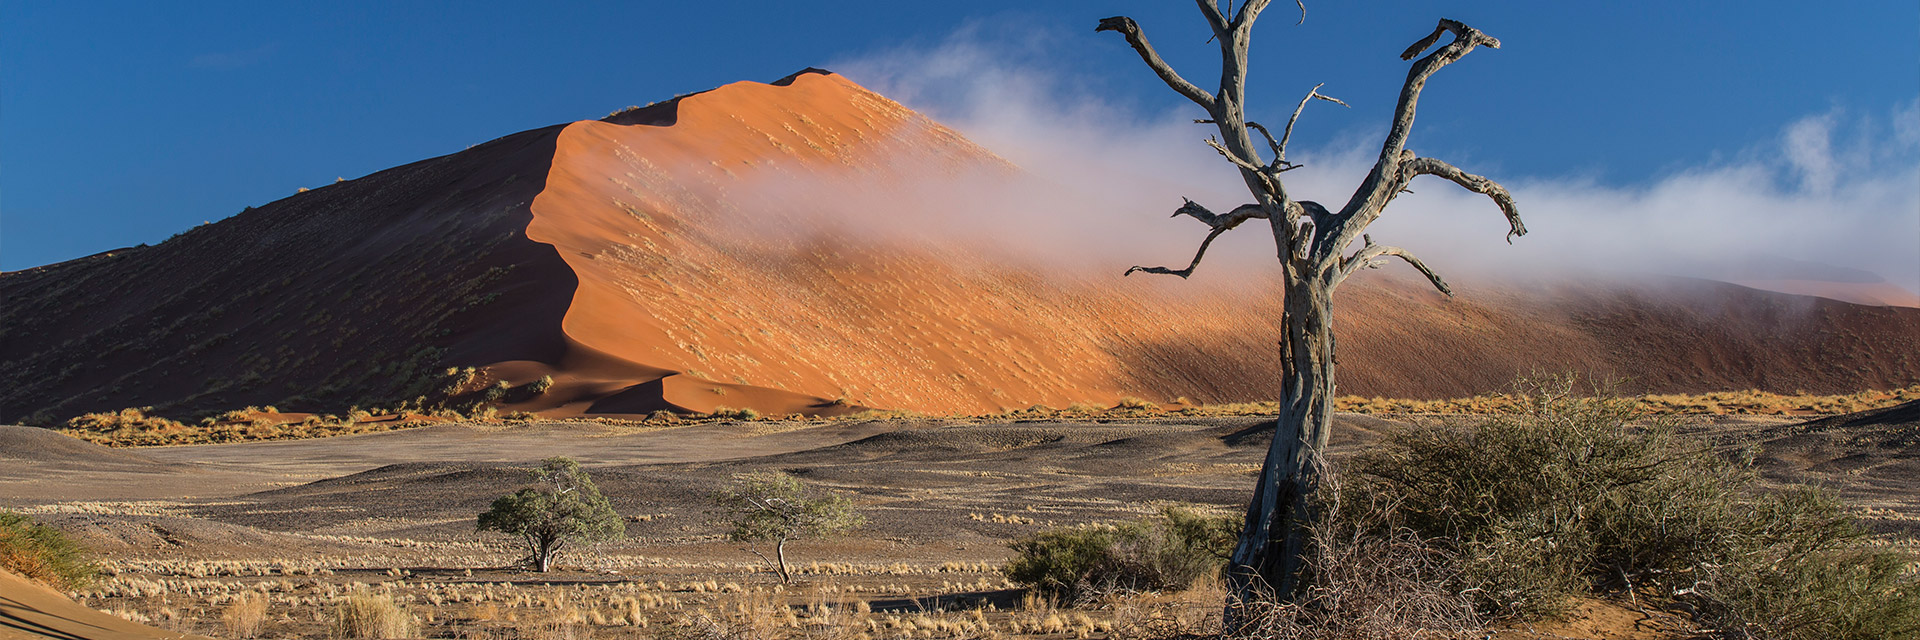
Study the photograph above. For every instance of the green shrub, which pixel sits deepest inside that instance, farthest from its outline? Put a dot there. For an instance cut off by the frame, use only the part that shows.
(498, 391)
(773, 508)
(1167, 553)
(1841, 595)
(1568, 495)
(562, 505)
(42, 553)
(541, 386)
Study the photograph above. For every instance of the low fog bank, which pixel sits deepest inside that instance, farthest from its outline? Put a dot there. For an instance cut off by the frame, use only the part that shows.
(1837, 189)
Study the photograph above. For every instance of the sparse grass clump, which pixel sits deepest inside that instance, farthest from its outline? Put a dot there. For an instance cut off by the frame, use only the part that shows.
(1569, 495)
(134, 428)
(130, 426)
(1165, 553)
(1750, 402)
(730, 413)
(362, 614)
(42, 553)
(246, 615)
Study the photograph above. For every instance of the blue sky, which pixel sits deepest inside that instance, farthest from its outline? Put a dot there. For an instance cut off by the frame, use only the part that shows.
(126, 122)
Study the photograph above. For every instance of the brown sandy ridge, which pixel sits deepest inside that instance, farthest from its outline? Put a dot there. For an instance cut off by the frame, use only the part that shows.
(29, 610)
(619, 257)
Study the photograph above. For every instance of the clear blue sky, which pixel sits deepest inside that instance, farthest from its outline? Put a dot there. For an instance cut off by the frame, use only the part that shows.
(125, 122)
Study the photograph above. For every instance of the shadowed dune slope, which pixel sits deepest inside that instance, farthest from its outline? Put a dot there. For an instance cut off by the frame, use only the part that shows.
(711, 251)
(1873, 455)
(355, 291)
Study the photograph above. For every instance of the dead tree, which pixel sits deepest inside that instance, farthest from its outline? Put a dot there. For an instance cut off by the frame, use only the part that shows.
(1312, 244)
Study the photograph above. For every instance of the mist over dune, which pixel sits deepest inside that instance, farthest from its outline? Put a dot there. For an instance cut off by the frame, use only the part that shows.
(811, 246)
(1838, 188)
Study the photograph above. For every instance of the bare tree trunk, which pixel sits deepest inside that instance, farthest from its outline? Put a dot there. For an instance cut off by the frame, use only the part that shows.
(1266, 563)
(780, 551)
(544, 548)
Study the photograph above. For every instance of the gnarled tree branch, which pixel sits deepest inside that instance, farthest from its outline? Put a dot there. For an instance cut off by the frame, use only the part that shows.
(1376, 187)
(1388, 178)
(1214, 18)
(1273, 144)
(1364, 259)
(1220, 224)
(1250, 11)
(1477, 184)
(1459, 31)
(1131, 30)
(1464, 40)
(1280, 149)
(1227, 220)
(1235, 159)
(1183, 273)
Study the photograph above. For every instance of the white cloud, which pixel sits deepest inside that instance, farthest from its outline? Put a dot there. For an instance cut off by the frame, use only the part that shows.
(1809, 150)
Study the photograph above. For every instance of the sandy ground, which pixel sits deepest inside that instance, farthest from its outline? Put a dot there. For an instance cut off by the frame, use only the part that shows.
(304, 519)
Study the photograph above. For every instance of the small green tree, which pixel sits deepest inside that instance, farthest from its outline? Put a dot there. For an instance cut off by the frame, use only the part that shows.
(773, 507)
(562, 505)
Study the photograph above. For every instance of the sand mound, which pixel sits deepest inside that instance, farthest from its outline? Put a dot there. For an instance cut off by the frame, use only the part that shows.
(42, 446)
(1875, 454)
(1882, 294)
(31, 610)
(1895, 426)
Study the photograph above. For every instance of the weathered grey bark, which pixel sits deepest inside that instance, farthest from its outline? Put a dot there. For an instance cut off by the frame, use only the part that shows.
(1310, 243)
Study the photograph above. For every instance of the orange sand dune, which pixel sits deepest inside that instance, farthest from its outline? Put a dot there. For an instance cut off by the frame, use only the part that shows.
(708, 252)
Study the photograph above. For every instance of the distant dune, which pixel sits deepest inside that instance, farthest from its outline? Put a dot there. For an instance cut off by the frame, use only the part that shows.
(1884, 294)
(643, 263)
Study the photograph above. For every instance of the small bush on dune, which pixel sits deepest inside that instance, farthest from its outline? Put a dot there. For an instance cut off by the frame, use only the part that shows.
(1168, 553)
(42, 553)
(1566, 495)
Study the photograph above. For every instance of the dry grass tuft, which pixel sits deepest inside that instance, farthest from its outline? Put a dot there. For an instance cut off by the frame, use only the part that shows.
(362, 614)
(246, 615)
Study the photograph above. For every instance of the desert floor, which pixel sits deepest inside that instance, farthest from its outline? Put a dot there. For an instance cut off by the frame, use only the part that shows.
(183, 530)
